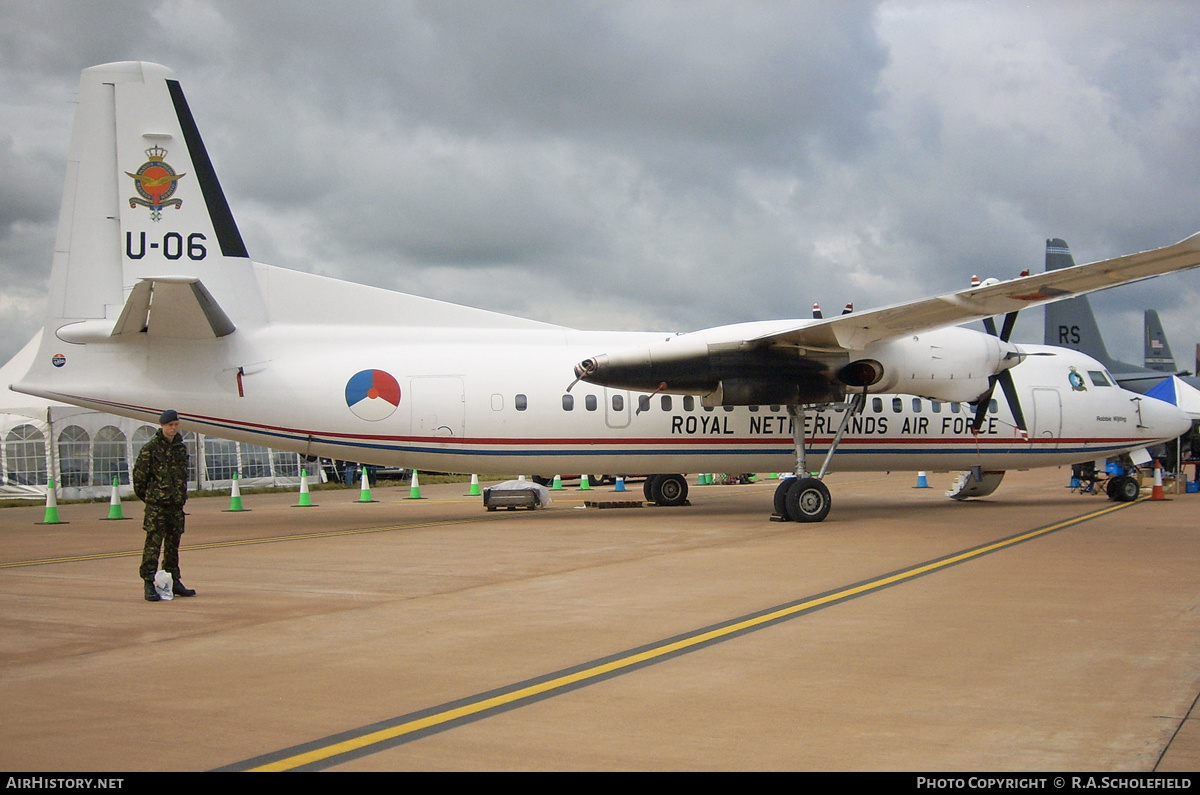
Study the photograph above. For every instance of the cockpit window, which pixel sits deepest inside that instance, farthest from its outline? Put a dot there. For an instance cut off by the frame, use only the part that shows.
(1099, 378)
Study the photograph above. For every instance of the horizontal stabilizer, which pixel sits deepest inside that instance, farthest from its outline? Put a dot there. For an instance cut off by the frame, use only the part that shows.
(173, 307)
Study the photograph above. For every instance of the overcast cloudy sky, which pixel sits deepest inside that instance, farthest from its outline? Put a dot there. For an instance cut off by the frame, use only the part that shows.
(666, 165)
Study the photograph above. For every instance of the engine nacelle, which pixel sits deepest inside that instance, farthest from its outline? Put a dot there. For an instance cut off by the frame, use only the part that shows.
(952, 364)
(730, 374)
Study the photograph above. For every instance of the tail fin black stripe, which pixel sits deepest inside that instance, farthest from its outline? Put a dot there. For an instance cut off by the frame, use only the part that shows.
(228, 235)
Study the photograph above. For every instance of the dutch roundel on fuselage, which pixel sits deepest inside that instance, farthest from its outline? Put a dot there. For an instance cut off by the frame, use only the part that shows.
(372, 394)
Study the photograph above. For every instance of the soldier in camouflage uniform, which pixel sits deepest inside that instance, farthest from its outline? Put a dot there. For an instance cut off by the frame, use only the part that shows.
(160, 481)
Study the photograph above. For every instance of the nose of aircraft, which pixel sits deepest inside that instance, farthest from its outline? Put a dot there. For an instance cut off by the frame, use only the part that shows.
(1163, 420)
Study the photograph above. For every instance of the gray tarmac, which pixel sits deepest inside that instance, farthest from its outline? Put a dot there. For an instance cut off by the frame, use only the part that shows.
(432, 635)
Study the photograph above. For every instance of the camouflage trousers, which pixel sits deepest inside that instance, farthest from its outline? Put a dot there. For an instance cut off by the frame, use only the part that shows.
(163, 525)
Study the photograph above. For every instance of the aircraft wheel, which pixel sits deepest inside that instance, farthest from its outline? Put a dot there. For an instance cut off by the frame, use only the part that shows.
(672, 490)
(1125, 489)
(808, 500)
(781, 491)
(650, 488)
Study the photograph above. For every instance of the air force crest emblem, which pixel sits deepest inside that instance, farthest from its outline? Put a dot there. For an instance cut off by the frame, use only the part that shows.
(156, 183)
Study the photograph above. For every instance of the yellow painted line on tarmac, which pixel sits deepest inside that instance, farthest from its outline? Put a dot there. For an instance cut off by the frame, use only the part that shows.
(240, 542)
(129, 553)
(377, 737)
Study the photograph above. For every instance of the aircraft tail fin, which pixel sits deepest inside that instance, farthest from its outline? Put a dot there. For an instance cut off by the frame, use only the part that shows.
(1071, 323)
(1157, 352)
(141, 202)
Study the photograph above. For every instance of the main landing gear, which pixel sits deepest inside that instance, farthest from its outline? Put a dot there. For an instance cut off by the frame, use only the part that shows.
(667, 490)
(805, 498)
(801, 500)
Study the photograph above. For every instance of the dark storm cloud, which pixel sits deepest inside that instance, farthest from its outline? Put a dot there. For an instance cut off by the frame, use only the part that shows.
(756, 79)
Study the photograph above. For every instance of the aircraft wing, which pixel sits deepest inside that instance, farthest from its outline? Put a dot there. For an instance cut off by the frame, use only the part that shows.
(813, 361)
(857, 330)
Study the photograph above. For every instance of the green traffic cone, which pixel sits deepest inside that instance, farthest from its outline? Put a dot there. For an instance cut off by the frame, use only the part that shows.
(414, 489)
(114, 503)
(474, 492)
(51, 505)
(235, 495)
(364, 494)
(305, 498)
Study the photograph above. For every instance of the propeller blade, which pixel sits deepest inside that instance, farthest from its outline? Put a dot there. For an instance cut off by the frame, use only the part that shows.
(1014, 403)
(1010, 320)
(1005, 379)
(981, 406)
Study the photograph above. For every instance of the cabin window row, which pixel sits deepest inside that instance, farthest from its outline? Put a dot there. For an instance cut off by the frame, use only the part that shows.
(688, 403)
(935, 406)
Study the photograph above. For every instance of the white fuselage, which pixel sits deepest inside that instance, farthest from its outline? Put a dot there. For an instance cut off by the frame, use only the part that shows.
(496, 400)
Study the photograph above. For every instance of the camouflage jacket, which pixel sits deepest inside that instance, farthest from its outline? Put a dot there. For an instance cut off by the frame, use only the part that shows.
(161, 472)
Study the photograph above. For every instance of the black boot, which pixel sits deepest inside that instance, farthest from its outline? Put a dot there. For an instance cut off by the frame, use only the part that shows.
(151, 594)
(182, 590)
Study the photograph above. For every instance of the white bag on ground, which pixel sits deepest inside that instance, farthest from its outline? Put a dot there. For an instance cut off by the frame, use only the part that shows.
(164, 586)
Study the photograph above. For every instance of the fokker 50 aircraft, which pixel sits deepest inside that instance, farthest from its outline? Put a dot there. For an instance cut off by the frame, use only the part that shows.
(154, 303)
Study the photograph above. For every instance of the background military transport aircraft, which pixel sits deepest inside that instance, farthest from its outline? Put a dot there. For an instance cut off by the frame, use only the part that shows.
(154, 303)
(1072, 324)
